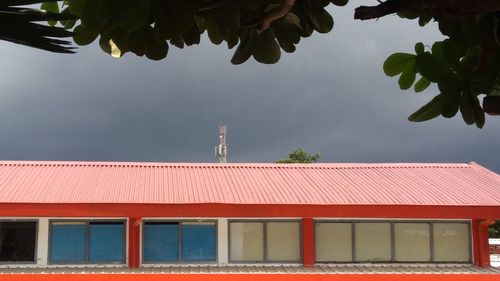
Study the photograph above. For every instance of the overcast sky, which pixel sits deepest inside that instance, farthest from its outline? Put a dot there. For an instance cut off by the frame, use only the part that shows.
(330, 96)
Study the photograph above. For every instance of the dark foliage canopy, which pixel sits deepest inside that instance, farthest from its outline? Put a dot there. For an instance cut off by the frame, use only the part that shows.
(464, 66)
(299, 155)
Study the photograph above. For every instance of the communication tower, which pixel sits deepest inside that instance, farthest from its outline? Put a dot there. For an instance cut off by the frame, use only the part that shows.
(221, 149)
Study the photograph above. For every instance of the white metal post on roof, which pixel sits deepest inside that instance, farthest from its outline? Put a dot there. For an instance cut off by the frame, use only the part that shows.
(221, 149)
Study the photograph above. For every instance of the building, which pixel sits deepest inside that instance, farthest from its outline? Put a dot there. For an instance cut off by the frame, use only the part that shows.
(162, 221)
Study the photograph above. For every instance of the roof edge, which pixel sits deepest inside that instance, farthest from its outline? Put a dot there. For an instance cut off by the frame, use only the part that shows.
(234, 165)
(485, 171)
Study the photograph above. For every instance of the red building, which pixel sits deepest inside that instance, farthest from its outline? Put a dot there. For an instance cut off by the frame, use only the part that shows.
(166, 221)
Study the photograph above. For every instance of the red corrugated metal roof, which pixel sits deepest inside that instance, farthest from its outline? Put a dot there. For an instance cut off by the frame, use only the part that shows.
(315, 184)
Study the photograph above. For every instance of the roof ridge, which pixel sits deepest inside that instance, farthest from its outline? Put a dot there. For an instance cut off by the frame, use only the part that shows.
(234, 165)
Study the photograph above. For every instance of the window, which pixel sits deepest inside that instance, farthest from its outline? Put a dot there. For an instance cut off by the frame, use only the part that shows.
(333, 242)
(451, 242)
(247, 241)
(396, 241)
(373, 241)
(106, 242)
(198, 241)
(283, 241)
(412, 242)
(87, 242)
(161, 242)
(17, 241)
(273, 241)
(179, 241)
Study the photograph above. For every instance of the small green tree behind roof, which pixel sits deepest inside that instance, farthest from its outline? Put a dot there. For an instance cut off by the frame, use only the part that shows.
(299, 155)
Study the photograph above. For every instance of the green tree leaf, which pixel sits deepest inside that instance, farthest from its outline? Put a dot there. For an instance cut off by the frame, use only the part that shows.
(429, 111)
(340, 2)
(94, 14)
(83, 36)
(437, 48)
(321, 20)
(51, 7)
(76, 7)
(449, 27)
(421, 85)
(157, 47)
(174, 18)
(104, 43)
(287, 32)
(245, 48)
(451, 90)
(419, 48)
(467, 108)
(407, 76)
(424, 19)
(449, 109)
(451, 53)
(226, 16)
(193, 36)
(215, 33)
(471, 109)
(232, 40)
(67, 23)
(432, 67)
(396, 63)
(129, 15)
(478, 114)
(177, 41)
(471, 58)
(266, 48)
(138, 42)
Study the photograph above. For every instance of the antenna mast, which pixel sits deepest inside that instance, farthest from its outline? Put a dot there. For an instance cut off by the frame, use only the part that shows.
(221, 149)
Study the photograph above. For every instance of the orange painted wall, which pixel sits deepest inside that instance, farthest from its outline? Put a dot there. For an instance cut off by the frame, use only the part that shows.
(308, 245)
(250, 210)
(250, 277)
(134, 242)
(135, 211)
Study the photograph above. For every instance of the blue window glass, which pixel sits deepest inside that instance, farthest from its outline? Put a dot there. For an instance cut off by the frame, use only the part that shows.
(161, 242)
(106, 242)
(198, 241)
(67, 243)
